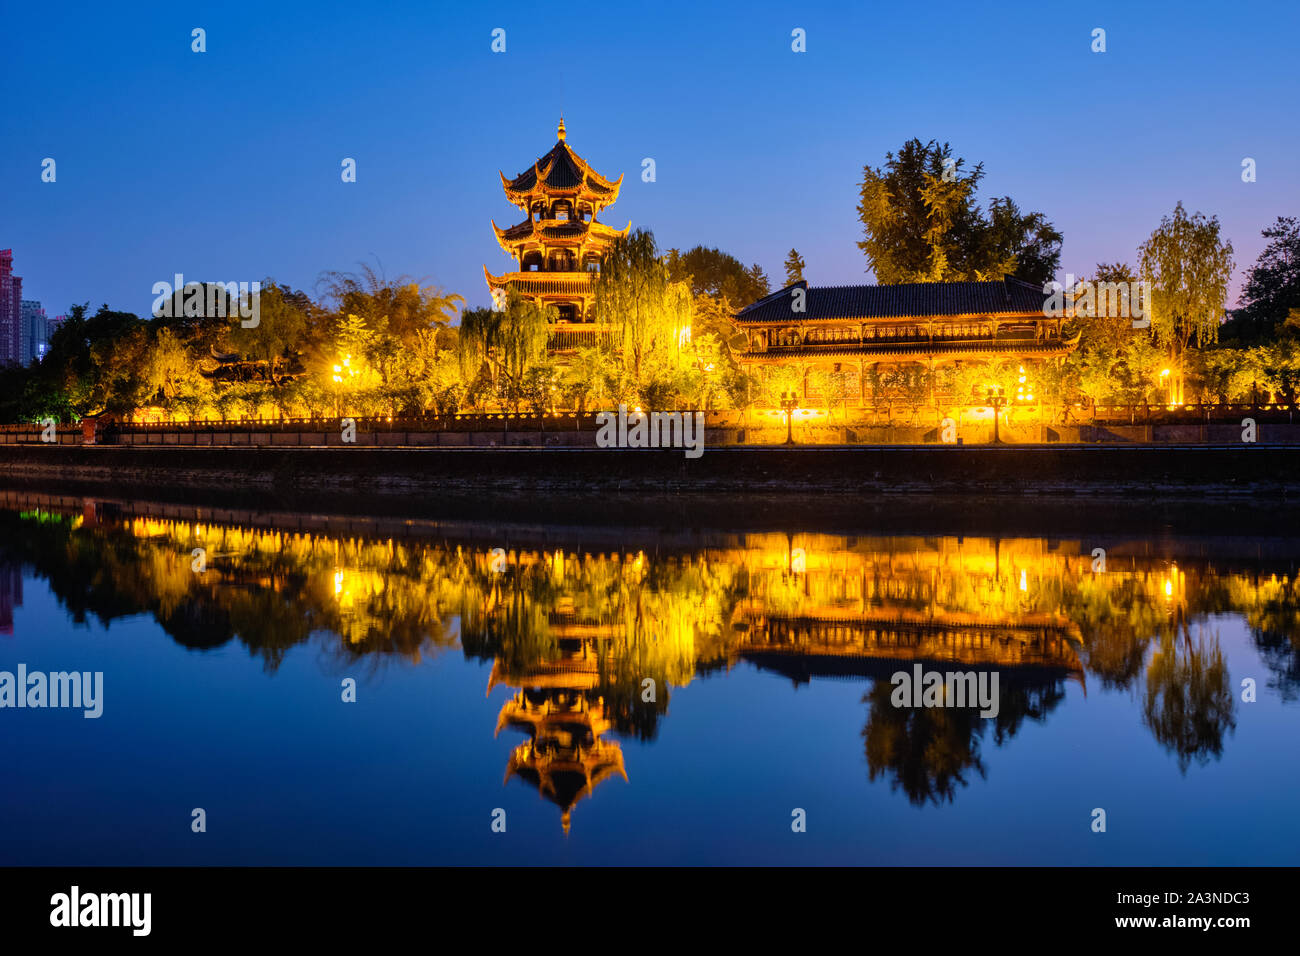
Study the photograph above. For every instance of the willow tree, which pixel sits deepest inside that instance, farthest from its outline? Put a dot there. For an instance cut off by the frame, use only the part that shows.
(630, 295)
(284, 327)
(511, 341)
(1188, 267)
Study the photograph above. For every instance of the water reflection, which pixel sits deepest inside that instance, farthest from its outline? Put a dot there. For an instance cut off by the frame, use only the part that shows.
(593, 631)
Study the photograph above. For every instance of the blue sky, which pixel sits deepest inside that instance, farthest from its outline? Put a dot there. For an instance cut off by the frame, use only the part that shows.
(225, 165)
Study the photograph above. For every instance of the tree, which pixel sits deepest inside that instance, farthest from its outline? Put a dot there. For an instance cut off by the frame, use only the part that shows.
(721, 285)
(1027, 243)
(794, 266)
(716, 274)
(284, 320)
(921, 223)
(509, 341)
(539, 387)
(1272, 289)
(1188, 268)
(630, 295)
(168, 366)
(407, 305)
(583, 380)
(1188, 704)
(917, 212)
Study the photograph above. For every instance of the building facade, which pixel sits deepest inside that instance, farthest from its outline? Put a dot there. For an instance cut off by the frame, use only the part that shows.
(874, 330)
(52, 326)
(559, 246)
(11, 298)
(32, 332)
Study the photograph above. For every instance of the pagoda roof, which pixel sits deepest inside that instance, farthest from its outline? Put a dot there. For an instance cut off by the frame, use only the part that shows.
(556, 231)
(543, 283)
(909, 300)
(561, 171)
(566, 775)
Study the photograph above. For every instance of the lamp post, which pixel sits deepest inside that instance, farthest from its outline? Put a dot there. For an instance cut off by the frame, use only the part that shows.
(997, 400)
(789, 402)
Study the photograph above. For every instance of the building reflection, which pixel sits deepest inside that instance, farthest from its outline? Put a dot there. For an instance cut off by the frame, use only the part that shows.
(11, 594)
(576, 628)
(566, 754)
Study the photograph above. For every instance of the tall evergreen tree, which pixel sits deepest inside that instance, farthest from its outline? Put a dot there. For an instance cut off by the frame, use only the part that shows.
(1272, 289)
(794, 266)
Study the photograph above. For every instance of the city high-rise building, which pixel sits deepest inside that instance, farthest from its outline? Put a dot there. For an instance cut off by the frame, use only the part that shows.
(52, 325)
(11, 293)
(31, 331)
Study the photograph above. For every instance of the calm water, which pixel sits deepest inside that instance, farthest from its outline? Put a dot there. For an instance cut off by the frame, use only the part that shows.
(516, 679)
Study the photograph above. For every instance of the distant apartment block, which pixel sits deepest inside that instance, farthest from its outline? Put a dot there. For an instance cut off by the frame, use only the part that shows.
(11, 297)
(52, 324)
(33, 331)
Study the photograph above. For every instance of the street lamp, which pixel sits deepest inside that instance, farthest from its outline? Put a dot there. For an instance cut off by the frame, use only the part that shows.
(789, 402)
(997, 400)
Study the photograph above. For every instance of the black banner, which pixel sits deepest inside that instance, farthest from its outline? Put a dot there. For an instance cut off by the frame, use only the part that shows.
(330, 905)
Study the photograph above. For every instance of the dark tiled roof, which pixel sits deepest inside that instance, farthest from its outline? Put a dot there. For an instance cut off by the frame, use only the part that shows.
(562, 169)
(907, 301)
(528, 228)
(573, 229)
(563, 172)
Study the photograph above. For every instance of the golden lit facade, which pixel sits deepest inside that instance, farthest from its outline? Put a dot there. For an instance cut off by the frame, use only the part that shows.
(877, 331)
(559, 247)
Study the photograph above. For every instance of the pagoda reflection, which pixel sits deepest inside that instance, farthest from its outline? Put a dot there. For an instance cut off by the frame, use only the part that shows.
(566, 754)
(573, 623)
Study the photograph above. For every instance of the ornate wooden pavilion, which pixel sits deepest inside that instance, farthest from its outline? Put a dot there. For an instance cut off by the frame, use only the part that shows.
(559, 247)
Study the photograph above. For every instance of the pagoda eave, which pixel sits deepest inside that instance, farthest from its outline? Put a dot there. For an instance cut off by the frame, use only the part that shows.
(573, 284)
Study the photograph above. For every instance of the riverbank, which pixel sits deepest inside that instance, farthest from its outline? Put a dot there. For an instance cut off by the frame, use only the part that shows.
(503, 477)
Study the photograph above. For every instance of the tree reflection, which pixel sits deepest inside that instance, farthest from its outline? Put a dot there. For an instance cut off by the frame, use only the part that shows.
(1188, 703)
(931, 752)
(593, 643)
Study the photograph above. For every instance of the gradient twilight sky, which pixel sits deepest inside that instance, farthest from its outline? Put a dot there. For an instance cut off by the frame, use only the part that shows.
(225, 165)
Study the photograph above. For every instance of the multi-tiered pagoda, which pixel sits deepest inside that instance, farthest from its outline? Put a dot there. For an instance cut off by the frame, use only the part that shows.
(559, 246)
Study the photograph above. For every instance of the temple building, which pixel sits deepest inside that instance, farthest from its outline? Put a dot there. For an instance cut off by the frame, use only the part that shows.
(875, 328)
(559, 246)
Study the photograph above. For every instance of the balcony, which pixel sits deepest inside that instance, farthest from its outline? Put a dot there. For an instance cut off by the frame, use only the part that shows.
(571, 336)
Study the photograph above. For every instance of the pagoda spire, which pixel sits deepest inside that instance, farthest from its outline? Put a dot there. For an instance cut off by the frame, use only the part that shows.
(560, 131)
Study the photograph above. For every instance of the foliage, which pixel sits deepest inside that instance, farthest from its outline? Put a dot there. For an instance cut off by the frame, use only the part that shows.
(1188, 268)
(1270, 299)
(794, 266)
(921, 223)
